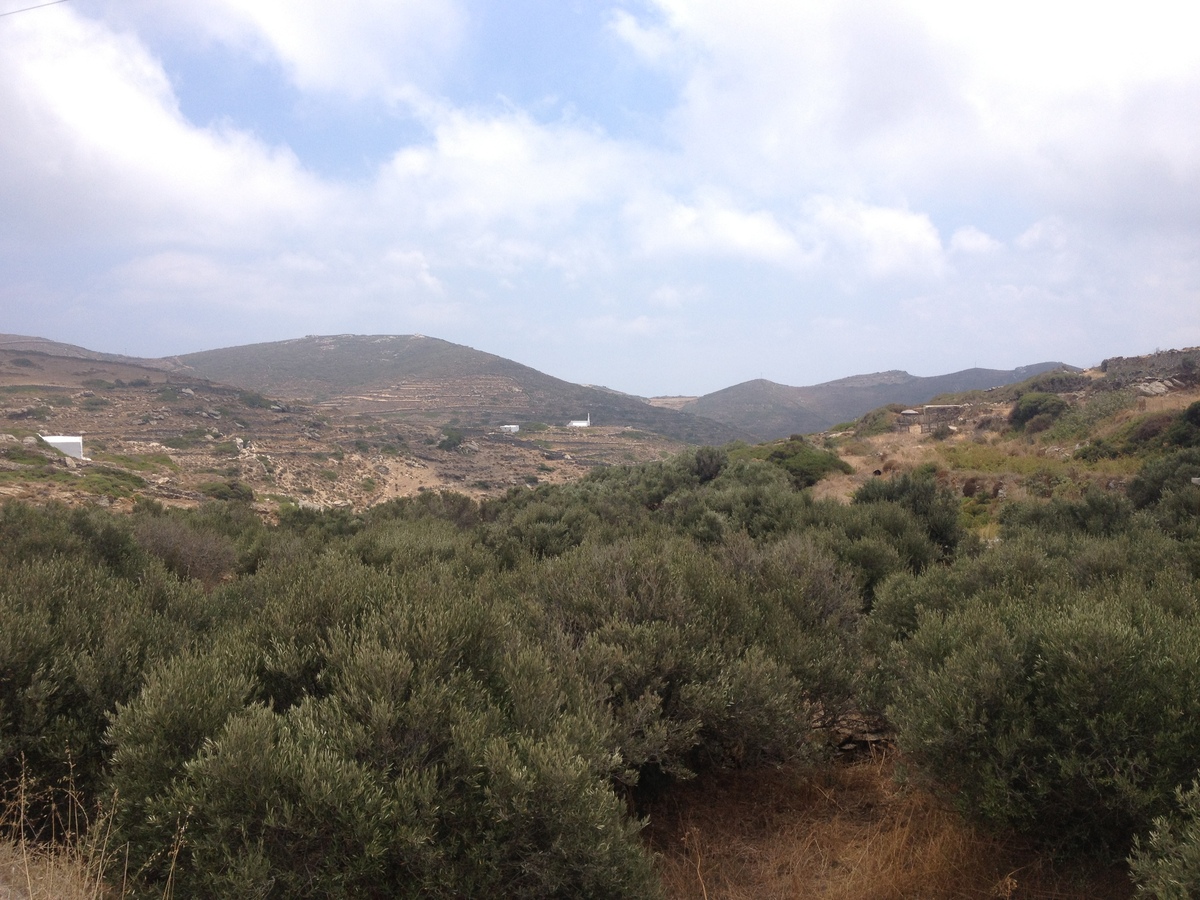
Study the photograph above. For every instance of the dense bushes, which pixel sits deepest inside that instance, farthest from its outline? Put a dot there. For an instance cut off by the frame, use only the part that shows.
(1185, 430)
(438, 700)
(1070, 720)
(1159, 476)
(1049, 685)
(371, 736)
(934, 506)
(444, 698)
(1037, 410)
(74, 641)
(431, 725)
(1167, 865)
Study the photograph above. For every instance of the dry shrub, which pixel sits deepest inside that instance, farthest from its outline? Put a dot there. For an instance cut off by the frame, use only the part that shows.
(189, 552)
(845, 832)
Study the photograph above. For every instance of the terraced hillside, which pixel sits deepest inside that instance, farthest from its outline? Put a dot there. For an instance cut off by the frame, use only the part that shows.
(177, 438)
(414, 375)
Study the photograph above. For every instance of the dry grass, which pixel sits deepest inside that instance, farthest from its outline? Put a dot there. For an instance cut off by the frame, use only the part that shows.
(67, 859)
(847, 832)
(33, 872)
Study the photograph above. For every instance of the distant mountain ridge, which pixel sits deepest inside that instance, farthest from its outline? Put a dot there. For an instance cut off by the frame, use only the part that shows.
(416, 374)
(769, 411)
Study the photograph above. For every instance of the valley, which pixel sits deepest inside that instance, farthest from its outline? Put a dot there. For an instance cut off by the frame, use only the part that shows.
(762, 662)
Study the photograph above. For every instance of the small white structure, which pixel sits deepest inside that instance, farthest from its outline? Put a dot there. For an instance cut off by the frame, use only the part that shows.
(581, 423)
(510, 429)
(67, 444)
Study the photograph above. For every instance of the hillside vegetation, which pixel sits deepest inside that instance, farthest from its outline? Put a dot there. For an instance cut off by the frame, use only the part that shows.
(412, 374)
(181, 440)
(769, 411)
(445, 696)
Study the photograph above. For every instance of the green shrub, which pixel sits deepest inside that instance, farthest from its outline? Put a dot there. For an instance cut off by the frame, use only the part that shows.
(702, 660)
(452, 439)
(1035, 404)
(708, 462)
(1045, 684)
(1099, 512)
(402, 545)
(1059, 381)
(187, 551)
(1185, 430)
(1039, 423)
(1079, 421)
(805, 463)
(229, 490)
(1167, 866)
(1066, 713)
(111, 482)
(371, 735)
(935, 506)
(1096, 450)
(1158, 476)
(254, 400)
(878, 421)
(74, 642)
(84, 535)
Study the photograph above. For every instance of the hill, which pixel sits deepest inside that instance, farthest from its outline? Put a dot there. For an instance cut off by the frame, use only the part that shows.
(176, 438)
(26, 344)
(770, 411)
(418, 376)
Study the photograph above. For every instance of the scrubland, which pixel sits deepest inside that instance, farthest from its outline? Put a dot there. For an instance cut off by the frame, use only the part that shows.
(689, 678)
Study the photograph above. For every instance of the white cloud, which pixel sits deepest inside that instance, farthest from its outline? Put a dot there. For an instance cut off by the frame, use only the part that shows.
(926, 100)
(673, 297)
(887, 242)
(815, 168)
(971, 240)
(94, 135)
(1067, 46)
(480, 170)
(1047, 234)
(660, 224)
(652, 45)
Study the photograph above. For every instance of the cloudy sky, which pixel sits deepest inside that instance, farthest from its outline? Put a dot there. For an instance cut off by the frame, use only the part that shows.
(662, 196)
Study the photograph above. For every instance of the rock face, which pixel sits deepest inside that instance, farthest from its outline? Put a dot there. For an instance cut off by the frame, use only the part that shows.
(1160, 388)
(1178, 368)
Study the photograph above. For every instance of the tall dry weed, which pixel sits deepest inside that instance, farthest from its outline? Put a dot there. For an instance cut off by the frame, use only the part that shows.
(66, 856)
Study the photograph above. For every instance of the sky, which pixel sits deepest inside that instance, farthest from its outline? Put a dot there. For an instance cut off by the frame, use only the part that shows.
(660, 196)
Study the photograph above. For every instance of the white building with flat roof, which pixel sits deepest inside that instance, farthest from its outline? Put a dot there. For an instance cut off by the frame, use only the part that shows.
(581, 423)
(70, 445)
